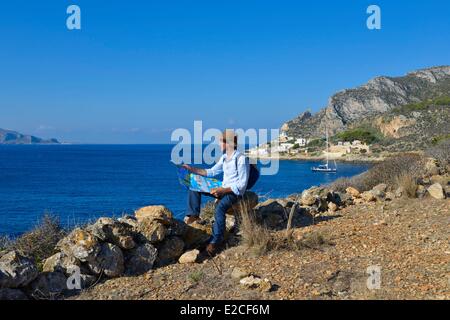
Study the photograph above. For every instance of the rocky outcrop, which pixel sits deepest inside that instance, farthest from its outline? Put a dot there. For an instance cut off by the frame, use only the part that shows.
(378, 96)
(13, 137)
(16, 271)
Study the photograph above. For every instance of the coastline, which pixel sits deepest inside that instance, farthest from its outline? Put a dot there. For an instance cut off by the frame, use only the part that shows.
(350, 159)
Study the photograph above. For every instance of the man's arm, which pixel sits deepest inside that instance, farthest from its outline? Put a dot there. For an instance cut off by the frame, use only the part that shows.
(199, 171)
(214, 171)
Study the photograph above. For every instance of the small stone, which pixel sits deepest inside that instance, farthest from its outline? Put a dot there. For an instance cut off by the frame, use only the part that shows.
(253, 282)
(238, 274)
(436, 191)
(189, 256)
(353, 192)
(332, 206)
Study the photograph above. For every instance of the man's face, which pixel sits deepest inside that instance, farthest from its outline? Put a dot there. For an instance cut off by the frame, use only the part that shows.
(223, 144)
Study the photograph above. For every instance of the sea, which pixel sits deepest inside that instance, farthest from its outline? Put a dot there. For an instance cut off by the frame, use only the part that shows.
(79, 183)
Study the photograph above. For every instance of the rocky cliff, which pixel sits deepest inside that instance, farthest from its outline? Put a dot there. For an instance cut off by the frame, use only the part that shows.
(378, 96)
(13, 137)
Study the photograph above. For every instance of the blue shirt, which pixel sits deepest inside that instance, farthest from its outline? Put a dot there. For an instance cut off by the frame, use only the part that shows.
(235, 172)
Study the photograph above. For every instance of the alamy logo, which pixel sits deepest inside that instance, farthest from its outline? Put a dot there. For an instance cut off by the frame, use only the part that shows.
(73, 21)
(74, 281)
(374, 20)
(203, 147)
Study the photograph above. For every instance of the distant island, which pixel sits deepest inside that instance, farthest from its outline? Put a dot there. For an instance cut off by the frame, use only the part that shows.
(13, 137)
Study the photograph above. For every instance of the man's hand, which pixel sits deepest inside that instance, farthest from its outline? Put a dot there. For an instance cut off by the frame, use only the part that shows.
(187, 167)
(220, 192)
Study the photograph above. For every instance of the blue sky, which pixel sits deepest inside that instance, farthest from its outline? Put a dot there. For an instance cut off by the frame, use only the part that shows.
(138, 69)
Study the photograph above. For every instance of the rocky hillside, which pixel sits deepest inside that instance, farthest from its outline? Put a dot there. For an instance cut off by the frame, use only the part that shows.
(13, 137)
(376, 97)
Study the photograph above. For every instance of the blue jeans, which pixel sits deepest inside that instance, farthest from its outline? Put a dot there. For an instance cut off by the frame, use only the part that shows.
(194, 205)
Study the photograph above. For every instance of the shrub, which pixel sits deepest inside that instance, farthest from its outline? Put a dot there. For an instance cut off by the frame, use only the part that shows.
(196, 276)
(316, 143)
(208, 210)
(39, 243)
(5, 243)
(441, 152)
(408, 183)
(365, 135)
(255, 236)
(384, 172)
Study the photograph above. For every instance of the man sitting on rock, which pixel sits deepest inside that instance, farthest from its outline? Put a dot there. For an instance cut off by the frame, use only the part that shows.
(236, 170)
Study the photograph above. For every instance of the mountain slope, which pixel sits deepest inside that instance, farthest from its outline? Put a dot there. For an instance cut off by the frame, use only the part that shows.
(13, 137)
(376, 97)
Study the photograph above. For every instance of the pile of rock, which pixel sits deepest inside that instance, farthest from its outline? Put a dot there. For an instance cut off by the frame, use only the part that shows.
(274, 213)
(109, 248)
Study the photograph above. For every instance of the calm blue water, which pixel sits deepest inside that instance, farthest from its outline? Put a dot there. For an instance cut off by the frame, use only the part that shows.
(82, 182)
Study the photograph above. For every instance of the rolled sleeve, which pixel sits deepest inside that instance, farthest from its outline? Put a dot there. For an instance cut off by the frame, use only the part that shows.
(216, 169)
(243, 167)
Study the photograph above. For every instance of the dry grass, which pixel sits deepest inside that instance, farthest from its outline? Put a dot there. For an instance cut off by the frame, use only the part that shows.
(39, 243)
(387, 172)
(408, 183)
(207, 212)
(259, 240)
(255, 236)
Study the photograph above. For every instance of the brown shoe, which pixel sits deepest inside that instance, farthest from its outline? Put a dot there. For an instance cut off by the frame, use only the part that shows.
(212, 249)
(192, 219)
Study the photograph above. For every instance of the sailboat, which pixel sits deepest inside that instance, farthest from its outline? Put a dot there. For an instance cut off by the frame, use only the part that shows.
(325, 167)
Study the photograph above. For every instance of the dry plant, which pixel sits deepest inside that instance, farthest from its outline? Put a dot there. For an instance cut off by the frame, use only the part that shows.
(408, 183)
(255, 236)
(39, 243)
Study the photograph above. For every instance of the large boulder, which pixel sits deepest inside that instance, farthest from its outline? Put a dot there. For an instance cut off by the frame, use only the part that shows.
(152, 230)
(159, 213)
(113, 231)
(177, 228)
(12, 294)
(48, 285)
(16, 270)
(197, 234)
(69, 265)
(60, 262)
(248, 202)
(436, 191)
(109, 261)
(273, 206)
(140, 259)
(80, 244)
(315, 195)
(170, 250)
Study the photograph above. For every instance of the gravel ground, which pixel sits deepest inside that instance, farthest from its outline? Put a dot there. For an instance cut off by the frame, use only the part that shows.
(407, 238)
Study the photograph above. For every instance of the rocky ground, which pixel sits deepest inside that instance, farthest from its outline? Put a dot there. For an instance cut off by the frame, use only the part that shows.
(407, 238)
(387, 240)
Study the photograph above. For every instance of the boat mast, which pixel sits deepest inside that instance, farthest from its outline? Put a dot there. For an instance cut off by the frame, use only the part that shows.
(326, 128)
